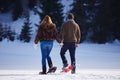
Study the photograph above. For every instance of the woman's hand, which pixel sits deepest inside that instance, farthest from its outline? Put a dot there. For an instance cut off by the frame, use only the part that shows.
(35, 46)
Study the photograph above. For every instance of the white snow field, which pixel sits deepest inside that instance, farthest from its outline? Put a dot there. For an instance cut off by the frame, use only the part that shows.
(90, 74)
(20, 61)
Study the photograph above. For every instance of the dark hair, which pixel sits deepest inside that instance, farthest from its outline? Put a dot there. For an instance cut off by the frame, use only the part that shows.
(70, 16)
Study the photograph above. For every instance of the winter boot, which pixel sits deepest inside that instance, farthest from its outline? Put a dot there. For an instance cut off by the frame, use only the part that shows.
(52, 69)
(73, 70)
(44, 70)
(74, 67)
(64, 66)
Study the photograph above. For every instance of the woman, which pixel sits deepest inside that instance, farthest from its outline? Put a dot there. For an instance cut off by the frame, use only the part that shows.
(47, 32)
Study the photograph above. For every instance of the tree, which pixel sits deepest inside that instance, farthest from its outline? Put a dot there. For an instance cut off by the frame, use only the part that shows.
(95, 18)
(53, 8)
(115, 17)
(32, 3)
(10, 35)
(26, 31)
(6, 33)
(17, 10)
(1, 32)
(6, 5)
(106, 28)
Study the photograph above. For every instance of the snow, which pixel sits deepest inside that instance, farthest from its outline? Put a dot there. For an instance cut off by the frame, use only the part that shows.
(6, 17)
(20, 61)
(67, 6)
(94, 56)
(80, 75)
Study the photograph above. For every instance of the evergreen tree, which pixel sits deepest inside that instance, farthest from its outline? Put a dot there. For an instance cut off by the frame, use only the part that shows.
(94, 16)
(105, 22)
(115, 19)
(32, 3)
(10, 34)
(26, 31)
(1, 32)
(7, 33)
(6, 5)
(53, 8)
(17, 10)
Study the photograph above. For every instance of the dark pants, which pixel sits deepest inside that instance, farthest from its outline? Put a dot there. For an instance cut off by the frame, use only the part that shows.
(71, 47)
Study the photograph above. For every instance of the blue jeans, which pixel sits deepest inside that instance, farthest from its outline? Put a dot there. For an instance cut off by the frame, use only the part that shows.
(46, 47)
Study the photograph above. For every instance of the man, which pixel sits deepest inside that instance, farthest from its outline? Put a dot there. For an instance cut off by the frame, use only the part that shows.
(70, 37)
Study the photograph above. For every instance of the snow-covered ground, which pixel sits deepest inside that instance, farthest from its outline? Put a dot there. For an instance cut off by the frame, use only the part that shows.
(20, 61)
(80, 75)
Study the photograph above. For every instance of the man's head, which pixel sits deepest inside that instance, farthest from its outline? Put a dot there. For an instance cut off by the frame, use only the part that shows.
(70, 16)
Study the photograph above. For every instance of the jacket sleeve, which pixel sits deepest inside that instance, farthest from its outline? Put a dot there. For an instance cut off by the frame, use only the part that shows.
(57, 36)
(78, 34)
(37, 36)
(61, 33)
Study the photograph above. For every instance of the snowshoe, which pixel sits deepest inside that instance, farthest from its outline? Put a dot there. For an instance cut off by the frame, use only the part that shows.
(52, 70)
(67, 69)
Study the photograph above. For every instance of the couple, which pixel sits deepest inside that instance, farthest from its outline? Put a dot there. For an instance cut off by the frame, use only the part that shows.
(68, 39)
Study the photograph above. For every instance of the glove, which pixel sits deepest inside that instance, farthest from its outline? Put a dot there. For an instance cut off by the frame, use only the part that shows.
(35, 46)
(61, 45)
(76, 45)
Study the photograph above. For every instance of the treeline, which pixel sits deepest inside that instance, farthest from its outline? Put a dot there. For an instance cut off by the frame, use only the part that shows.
(99, 20)
(7, 33)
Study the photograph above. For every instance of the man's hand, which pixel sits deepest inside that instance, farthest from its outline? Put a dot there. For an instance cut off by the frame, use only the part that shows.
(76, 45)
(61, 45)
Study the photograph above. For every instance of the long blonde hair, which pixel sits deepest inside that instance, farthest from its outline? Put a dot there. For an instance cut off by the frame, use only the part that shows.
(47, 20)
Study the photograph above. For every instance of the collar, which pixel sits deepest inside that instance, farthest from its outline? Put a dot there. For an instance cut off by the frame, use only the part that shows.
(70, 20)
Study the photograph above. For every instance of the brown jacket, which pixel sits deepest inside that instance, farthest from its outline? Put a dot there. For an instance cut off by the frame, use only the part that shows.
(46, 32)
(70, 32)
